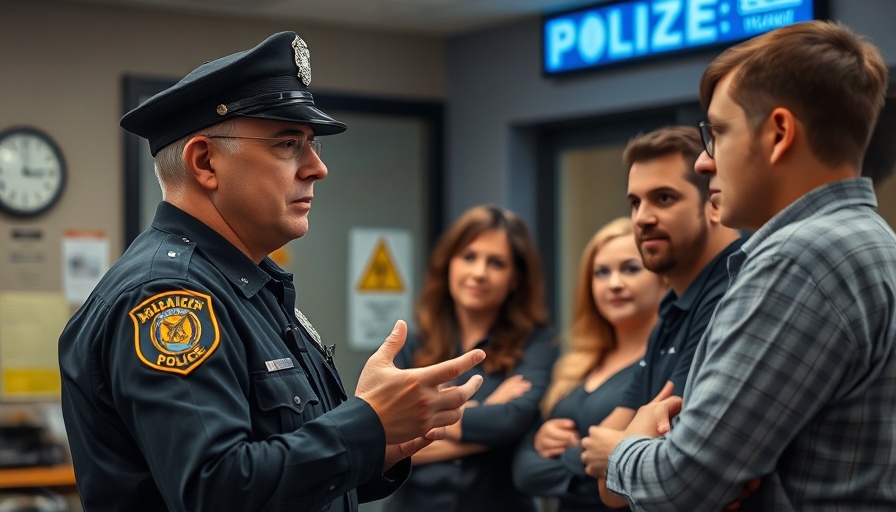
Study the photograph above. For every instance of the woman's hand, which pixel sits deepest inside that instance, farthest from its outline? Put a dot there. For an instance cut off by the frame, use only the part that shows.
(512, 387)
(554, 436)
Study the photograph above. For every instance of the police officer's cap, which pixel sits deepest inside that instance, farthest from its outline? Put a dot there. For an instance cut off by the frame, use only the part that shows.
(269, 81)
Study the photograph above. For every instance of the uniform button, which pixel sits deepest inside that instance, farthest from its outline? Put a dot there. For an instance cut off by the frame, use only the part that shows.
(332, 487)
(297, 400)
(244, 280)
(663, 352)
(171, 254)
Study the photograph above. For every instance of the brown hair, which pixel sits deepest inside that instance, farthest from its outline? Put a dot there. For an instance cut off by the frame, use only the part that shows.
(824, 73)
(591, 336)
(684, 140)
(523, 310)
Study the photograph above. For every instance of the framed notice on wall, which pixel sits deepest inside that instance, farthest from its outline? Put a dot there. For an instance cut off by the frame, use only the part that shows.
(30, 323)
(380, 283)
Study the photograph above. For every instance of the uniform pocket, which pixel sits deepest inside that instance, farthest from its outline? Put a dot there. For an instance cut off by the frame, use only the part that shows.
(286, 394)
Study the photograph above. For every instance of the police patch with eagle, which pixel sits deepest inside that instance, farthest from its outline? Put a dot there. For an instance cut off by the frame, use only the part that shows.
(175, 331)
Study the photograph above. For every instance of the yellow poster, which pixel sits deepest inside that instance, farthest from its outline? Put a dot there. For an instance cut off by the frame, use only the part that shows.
(30, 324)
(381, 273)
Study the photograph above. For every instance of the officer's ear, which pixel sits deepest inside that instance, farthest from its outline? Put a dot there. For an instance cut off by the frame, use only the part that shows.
(199, 157)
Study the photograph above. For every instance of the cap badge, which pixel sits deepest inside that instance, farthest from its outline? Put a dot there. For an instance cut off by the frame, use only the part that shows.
(303, 60)
(222, 109)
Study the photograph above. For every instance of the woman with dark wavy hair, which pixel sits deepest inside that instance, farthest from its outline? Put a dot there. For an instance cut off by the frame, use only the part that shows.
(483, 289)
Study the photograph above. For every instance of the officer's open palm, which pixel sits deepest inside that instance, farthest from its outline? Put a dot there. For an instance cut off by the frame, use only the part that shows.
(412, 402)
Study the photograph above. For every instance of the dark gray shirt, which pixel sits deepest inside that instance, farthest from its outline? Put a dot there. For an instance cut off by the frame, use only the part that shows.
(673, 340)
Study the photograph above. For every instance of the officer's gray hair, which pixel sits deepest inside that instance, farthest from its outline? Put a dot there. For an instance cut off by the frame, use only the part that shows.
(170, 168)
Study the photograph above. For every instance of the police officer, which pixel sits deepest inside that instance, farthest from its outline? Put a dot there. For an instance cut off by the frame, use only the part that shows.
(190, 381)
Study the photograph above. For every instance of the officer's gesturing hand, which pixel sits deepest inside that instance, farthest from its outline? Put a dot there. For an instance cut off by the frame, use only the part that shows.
(412, 402)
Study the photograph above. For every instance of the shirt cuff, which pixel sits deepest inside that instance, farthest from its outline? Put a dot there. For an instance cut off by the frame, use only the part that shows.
(364, 437)
(616, 469)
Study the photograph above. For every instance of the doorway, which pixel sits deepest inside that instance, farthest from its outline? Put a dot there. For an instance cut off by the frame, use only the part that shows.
(581, 185)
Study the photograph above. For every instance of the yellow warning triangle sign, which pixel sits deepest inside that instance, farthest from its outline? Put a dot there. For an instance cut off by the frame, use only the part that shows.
(381, 274)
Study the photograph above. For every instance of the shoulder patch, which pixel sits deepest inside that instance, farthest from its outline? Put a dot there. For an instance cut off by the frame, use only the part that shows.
(175, 331)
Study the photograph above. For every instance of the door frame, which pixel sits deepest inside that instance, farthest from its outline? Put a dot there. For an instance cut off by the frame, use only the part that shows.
(556, 137)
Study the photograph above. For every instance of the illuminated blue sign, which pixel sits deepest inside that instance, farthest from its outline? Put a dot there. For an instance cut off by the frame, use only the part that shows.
(624, 31)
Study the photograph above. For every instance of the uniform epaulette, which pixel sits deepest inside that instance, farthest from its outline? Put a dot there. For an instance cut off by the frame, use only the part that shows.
(172, 258)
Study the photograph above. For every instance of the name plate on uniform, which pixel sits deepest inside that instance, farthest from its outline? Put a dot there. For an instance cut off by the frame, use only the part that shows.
(279, 364)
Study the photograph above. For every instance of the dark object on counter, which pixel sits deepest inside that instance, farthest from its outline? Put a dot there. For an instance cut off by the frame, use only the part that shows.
(24, 445)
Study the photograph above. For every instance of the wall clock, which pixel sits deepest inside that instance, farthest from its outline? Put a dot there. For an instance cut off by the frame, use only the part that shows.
(32, 171)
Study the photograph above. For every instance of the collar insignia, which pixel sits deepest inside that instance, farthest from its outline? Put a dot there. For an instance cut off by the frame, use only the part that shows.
(303, 60)
(308, 328)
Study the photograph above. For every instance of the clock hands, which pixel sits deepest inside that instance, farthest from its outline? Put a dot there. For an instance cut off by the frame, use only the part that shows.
(32, 173)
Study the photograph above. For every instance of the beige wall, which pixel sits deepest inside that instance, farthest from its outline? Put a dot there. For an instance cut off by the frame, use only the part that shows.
(62, 68)
(592, 189)
(886, 199)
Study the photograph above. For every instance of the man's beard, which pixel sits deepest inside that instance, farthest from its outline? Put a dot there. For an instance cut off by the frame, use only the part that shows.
(666, 261)
(660, 261)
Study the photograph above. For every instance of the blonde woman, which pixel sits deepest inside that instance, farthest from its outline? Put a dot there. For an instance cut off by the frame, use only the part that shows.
(615, 308)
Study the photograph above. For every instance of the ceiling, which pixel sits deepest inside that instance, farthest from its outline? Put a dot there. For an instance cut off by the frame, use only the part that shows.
(434, 17)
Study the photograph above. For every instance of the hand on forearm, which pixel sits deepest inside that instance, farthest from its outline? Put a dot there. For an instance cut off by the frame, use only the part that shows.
(554, 436)
(596, 449)
(655, 418)
(652, 420)
(511, 388)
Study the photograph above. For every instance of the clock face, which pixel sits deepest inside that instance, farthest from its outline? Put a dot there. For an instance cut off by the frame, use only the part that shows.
(32, 172)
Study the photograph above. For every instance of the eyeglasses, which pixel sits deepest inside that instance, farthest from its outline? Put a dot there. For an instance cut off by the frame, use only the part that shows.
(286, 148)
(709, 140)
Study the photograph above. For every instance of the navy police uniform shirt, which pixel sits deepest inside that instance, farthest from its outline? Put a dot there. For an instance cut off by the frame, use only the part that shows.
(191, 383)
(674, 338)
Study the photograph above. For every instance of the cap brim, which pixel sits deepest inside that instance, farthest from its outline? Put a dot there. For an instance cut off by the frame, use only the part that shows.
(321, 123)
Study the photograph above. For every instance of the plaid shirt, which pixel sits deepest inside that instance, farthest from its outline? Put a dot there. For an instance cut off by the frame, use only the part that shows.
(795, 378)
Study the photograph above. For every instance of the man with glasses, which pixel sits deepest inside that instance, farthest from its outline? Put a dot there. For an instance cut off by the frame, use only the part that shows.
(794, 380)
(190, 380)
